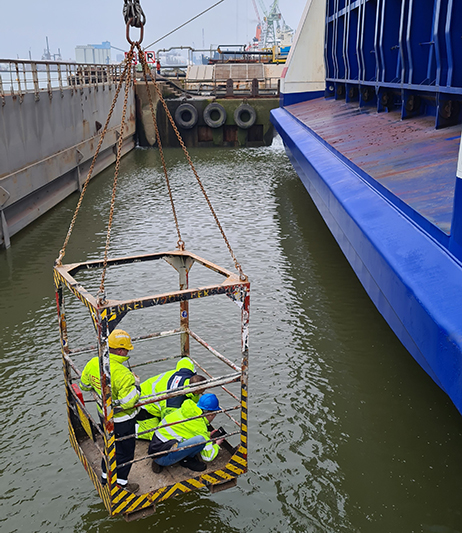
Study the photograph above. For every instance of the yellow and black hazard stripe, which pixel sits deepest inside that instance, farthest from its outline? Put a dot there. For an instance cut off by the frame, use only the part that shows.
(56, 278)
(244, 416)
(111, 448)
(238, 462)
(179, 488)
(59, 278)
(124, 502)
(244, 445)
(219, 476)
(102, 491)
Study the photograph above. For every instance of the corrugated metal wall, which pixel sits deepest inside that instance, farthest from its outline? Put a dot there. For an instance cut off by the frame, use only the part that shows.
(396, 54)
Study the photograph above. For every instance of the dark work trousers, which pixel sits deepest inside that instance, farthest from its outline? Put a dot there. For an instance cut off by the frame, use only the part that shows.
(125, 450)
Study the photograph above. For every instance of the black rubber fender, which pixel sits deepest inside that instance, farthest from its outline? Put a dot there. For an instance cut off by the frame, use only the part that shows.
(186, 116)
(245, 116)
(214, 110)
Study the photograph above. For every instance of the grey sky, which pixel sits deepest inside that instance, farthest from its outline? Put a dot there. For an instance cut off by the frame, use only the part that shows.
(68, 24)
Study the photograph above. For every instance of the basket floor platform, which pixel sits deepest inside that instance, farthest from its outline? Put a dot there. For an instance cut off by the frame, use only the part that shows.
(142, 473)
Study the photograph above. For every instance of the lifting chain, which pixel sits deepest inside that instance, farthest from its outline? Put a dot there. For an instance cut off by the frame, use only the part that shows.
(133, 13)
(130, 55)
(180, 242)
(132, 7)
(146, 72)
(127, 68)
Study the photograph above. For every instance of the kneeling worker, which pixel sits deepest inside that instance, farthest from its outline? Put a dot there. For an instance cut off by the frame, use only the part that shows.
(186, 433)
(125, 390)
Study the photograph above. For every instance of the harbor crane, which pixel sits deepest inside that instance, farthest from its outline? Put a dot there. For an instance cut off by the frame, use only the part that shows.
(257, 38)
(273, 28)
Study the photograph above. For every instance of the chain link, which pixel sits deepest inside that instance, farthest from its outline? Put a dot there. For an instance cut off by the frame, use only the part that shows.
(180, 242)
(238, 267)
(133, 13)
(101, 294)
(126, 77)
(62, 252)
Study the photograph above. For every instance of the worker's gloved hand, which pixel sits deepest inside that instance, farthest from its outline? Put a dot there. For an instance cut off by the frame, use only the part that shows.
(217, 433)
(137, 380)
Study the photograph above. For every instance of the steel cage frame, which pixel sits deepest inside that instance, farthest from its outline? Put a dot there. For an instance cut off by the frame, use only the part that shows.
(105, 317)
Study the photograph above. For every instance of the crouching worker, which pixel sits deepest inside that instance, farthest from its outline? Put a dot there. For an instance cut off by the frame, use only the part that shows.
(151, 414)
(186, 433)
(125, 390)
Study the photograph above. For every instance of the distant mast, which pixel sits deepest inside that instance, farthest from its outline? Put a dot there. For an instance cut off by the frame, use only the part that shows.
(46, 53)
(48, 56)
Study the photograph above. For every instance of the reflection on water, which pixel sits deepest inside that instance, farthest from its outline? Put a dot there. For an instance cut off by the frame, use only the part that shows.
(346, 432)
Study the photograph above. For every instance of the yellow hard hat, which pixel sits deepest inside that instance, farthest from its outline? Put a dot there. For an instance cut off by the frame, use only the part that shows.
(120, 339)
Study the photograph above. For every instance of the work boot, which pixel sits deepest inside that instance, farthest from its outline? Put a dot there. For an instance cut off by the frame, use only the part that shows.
(193, 464)
(157, 469)
(130, 487)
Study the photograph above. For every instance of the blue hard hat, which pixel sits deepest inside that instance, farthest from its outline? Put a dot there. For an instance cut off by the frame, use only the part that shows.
(208, 402)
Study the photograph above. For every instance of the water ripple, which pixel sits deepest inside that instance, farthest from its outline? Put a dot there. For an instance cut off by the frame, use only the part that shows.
(322, 441)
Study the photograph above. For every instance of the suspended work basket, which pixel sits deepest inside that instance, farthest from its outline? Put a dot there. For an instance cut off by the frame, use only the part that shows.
(91, 433)
(92, 443)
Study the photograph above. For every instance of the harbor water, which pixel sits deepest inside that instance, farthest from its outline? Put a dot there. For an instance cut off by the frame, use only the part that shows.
(346, 432)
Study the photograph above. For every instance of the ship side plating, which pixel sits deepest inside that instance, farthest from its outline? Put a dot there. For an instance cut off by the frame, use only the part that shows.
(370, 116)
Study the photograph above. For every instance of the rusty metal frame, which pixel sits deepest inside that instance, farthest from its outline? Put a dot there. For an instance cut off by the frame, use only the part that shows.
(106, 317)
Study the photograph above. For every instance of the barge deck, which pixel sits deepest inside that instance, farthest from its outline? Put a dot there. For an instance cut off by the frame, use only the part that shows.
(409, 158)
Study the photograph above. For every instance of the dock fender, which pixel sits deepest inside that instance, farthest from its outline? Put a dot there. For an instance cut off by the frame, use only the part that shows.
(245, 116)
(214, 115)
(186, 116)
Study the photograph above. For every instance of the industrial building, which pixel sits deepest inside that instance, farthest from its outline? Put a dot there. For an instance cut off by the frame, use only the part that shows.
(94, 53)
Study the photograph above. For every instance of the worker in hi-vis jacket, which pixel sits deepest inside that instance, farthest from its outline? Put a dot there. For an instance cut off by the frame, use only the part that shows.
(151, 414)
(125, 393)
(184, 433)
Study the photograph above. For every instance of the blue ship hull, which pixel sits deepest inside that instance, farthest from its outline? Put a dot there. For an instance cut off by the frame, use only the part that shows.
(384, 180)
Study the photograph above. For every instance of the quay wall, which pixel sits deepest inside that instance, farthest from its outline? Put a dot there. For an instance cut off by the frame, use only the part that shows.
(50, 128)
(261, 133)
(47, 143)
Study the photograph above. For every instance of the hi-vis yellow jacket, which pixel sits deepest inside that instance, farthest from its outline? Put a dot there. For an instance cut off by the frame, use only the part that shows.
(157, 410)
(159, 383)
(187, 429)
(122, 383)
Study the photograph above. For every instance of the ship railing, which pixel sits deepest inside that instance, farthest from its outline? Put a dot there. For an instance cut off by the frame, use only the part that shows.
(268, 85)
(18, 77)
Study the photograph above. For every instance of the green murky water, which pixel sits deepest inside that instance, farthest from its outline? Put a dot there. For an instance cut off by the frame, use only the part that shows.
(346, 432)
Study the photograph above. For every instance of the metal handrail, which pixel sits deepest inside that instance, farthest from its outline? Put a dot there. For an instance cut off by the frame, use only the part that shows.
(44, 62)
(20, 76)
